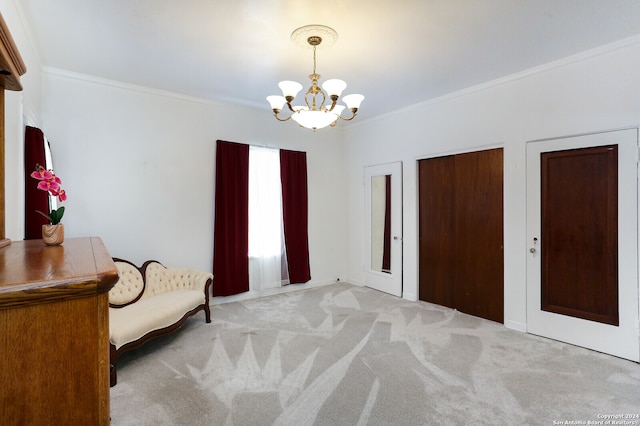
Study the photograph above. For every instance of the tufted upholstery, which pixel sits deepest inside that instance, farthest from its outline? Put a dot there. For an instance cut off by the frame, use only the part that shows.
(172, 279)
(128, 287)
(151, 301)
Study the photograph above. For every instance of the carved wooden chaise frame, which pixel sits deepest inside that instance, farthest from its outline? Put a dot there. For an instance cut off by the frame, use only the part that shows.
(116, 353)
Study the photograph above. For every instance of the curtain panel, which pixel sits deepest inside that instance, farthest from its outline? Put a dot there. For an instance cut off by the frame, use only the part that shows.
(34, 199)
(295, 213)
(231, 223)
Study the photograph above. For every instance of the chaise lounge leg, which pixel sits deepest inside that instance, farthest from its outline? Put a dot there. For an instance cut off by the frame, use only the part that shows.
(113, 377)
(207, 311)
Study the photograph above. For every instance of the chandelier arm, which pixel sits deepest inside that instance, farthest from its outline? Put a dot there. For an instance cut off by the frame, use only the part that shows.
(306, 101)
(353, 115)
(290, 107)
(314, 105)
(275, 114)
(324, 99)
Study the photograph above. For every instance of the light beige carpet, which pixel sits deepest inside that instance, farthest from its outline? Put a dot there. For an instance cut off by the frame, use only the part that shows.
(347, 355)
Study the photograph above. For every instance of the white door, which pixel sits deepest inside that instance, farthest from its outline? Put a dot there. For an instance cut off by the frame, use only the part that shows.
(619, 339)
(383, 227)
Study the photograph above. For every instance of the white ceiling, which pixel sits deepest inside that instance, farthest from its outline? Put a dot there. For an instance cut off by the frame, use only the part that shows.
(395, 52)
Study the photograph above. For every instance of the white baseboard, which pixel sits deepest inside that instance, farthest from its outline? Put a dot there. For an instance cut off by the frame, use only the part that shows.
(253, 294)
(515, 325)
(410, 296)
(355, 282)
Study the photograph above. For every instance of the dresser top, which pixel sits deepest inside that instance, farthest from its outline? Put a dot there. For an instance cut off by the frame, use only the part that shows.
(32, 272)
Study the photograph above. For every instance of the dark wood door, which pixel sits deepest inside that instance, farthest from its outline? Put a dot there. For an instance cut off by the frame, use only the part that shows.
(579, 215)
(436, 229)
(461, 257)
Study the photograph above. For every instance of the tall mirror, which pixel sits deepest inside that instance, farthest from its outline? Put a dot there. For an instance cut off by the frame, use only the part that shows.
(381, 223)
(382, 253)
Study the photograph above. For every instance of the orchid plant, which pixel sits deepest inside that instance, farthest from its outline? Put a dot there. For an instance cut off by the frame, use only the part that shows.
(50, 183)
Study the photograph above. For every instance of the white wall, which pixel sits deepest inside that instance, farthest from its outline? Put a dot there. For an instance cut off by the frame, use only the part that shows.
(598, 90)
(20, 108)
(138, 166)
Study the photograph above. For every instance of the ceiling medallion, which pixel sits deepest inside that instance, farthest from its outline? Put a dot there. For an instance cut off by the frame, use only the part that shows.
(301, 36)
(315, 115)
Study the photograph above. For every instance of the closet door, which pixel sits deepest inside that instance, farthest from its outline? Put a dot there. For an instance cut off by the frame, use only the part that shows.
(461, 256)
(436, 229)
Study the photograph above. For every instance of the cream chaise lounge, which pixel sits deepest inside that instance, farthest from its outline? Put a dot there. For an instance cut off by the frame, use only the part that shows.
(151, 301)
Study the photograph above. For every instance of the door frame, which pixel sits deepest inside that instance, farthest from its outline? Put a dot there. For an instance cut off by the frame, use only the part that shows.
(387, 282)
(556, 326)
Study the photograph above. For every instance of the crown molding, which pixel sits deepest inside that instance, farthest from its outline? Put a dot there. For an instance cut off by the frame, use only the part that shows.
(560, 63)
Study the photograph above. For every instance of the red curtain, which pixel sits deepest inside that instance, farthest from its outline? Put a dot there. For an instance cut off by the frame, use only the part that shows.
(34, 199)
(231, 224)
(293, 174)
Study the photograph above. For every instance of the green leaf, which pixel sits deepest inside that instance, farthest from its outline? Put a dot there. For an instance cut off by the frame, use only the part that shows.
(45, 215)
(56, 215)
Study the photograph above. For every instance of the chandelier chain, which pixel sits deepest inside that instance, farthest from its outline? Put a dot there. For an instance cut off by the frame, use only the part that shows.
(314, 59)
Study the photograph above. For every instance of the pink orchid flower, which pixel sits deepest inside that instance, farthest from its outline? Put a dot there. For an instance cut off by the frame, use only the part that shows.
(42, 174)
(49, 185)
(62, 195)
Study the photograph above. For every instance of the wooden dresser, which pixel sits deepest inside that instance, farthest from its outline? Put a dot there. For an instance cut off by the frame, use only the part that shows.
(54, 332)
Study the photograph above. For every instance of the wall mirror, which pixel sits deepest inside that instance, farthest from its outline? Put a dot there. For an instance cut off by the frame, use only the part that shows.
(381, 223)
(383, 227)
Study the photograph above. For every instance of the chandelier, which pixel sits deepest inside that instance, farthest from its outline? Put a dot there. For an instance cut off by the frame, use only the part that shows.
(321, 109)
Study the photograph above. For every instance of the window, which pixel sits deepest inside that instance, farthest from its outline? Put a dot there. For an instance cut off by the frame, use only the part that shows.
(266, 237)
(279, 207)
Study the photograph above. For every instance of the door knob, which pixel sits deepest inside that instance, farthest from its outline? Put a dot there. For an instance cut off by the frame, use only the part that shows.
(532, 249)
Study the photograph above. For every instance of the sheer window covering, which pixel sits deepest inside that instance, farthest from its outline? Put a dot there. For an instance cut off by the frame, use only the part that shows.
(266, 244)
